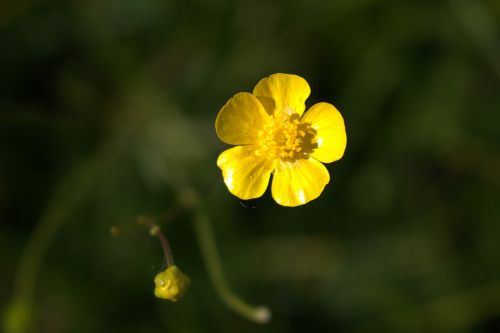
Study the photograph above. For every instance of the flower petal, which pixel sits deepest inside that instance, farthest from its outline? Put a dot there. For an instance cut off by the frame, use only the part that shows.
(288, 91)
(268, 103)
(246, 175)
(331, 135)
(296, 183)
(239, 121)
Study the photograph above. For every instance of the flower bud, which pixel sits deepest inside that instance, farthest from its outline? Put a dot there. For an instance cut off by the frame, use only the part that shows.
(171, 284)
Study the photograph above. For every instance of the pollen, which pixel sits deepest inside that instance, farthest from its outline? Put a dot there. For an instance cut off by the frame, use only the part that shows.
(285, 137)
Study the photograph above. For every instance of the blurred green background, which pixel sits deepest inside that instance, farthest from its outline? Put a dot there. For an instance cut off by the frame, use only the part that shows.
(107, 112)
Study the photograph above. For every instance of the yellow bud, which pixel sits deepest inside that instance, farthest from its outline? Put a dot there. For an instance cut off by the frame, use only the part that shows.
(171, 284)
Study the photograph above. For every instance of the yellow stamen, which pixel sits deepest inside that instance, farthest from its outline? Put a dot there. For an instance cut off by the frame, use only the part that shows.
(285, 137)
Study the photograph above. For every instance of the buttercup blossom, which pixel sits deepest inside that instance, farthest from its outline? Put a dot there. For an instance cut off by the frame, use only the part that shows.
(274, 136)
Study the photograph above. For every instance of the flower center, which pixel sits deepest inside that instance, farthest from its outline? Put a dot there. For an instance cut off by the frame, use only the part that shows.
(286, 138)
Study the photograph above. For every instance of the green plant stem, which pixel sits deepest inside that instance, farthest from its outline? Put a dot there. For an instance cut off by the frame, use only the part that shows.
(206, 239)
(65, 200)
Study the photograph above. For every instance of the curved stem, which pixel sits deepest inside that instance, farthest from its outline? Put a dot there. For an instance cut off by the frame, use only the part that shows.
(167, 250)
(64, 201)
(204, 233)
(155, 230)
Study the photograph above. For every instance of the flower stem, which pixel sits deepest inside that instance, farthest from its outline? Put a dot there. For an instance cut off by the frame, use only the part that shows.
(206, 239)
(155, 230)
(65, 200)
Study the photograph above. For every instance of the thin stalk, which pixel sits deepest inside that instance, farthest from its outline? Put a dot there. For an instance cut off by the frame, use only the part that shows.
(155, 230)
(65, 200)
(206, 239)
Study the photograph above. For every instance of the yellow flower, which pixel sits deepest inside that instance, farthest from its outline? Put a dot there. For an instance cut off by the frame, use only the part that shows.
(171, 284)
(275, 137)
